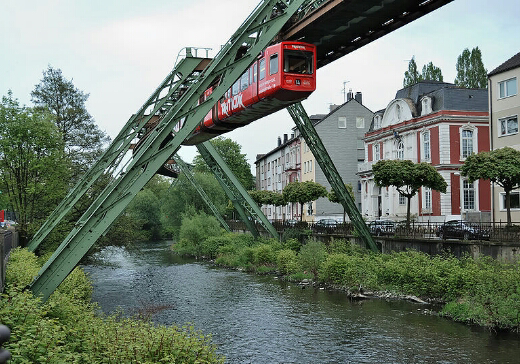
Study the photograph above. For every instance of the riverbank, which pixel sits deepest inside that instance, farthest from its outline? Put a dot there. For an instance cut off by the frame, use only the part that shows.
(482, 291)
(69, 328)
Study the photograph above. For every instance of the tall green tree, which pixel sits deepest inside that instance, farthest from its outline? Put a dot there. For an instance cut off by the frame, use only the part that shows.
(470, 69)
(407, 177)
(82, 140)
(500, 166)
(303, 192)
(32, 162)
(265, 197)
(230, 151)
(429, 73)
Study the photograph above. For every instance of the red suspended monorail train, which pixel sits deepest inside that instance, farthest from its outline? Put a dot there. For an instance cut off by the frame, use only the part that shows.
(283, 74)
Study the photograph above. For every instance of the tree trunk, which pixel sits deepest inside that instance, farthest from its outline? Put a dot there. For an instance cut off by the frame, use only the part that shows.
(408, 211)
(508, 206)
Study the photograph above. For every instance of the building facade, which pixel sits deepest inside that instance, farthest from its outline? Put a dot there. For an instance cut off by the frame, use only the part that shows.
(431, 122)
(275, 170)
(342, 132)
(504, 108)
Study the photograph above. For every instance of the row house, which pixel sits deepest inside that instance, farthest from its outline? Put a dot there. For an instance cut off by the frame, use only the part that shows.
(341, 131)
(504, 108)
(275, 170)
(437, 123)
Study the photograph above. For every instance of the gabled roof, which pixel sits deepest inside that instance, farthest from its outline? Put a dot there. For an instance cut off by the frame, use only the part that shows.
(511, 63)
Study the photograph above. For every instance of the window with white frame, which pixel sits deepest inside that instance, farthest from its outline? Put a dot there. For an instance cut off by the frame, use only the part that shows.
(507, 88)
(377, 122)
(508, 126)
(466, 144)
(360, 122)
(427, 204)
(342, 122)
(400, 150)
(426, 145)
(402, 200)
(514, 200)
(468, 194)
(310, 166)
(426, 106)
(377, 152)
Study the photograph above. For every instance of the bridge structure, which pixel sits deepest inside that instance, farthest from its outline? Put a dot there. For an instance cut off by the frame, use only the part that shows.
(336, 27)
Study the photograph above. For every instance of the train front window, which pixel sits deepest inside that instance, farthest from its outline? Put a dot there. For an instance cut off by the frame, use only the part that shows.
(298, 62)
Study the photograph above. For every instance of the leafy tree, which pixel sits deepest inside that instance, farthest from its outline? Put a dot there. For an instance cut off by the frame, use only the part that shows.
(230, 151)
(429, 72)
(32, 163)
(265, 197)
(303, 192)
(407, 177)
(146, 209)
(470, 69)
(183, 196)
(501, 166)
(82, 139)
(335, 199)
(412, 76)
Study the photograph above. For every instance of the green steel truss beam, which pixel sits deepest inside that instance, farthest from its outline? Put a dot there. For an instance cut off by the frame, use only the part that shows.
(189, 176)
(166, 94)
(234, 58)
(241, 200)
(317, 148)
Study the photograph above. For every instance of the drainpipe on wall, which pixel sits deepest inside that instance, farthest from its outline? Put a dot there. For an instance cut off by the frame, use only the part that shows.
(491, 145)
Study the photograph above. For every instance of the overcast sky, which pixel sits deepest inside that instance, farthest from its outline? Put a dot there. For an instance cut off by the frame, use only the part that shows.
(120, 51)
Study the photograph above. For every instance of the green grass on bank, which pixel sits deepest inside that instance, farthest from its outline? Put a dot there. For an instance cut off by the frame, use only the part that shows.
(69, 329)
(484, 291)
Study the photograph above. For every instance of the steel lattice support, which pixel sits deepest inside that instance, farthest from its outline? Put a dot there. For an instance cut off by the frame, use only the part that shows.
(242, 201)
(234, 58)
(189, 176)
(169, 91)
(317, 148)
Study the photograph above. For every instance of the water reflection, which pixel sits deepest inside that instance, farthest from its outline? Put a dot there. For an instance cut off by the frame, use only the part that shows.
(261, 320)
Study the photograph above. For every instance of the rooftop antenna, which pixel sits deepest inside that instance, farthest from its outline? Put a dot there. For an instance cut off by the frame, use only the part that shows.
(344, 91)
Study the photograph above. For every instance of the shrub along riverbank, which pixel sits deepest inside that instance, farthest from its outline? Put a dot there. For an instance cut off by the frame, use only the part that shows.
(69, 329)
(484, 291)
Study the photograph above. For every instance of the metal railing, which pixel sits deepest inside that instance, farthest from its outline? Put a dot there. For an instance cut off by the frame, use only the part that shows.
(8, 241)
(462, 230)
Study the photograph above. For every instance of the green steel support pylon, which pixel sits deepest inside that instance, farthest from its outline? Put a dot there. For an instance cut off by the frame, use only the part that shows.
(189, 176)
(317, 148)
(169, 91)
(234, 58)
(248, 210)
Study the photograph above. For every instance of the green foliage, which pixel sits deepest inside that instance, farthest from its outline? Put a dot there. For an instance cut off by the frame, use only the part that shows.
(470, 69)
(195, 229)
(82, 139)
(408, 177)
(287, 261)
(500, 166)
(312, 255)
(301, 235)
(27, 268)
(32, 163)
(303, 192)
(266, 197)
(230, 151)
(66, 329)
(429, 72)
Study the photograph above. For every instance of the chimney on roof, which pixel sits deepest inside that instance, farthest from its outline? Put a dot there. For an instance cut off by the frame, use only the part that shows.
(285, 138)
(279, 141)
(359, 97)
(350, 95)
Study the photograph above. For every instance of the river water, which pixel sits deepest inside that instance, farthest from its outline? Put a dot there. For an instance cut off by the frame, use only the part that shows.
(259, 319)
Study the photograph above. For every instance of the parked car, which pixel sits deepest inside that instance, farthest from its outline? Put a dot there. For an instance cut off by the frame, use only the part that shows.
(382, 227)
(326, 223)
(460, 229)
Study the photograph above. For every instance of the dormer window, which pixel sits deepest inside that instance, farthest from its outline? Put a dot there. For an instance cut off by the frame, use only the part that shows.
(377, 122)
(426, 105)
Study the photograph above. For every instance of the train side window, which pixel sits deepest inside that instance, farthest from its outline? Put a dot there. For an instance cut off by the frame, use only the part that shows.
(255, 70)
(273, 64)
(244, 81)
(262, 69)
(235, 88)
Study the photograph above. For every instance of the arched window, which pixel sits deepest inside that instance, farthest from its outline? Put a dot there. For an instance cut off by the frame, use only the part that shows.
(400, 150)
